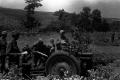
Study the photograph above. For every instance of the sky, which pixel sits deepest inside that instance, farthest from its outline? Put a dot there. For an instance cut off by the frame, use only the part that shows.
(109, 8)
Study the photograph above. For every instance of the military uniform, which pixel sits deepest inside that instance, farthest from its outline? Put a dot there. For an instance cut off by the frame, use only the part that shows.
(40, 47)
(3, 45)
(52, 46)
(13, 48)
(63, 37)
(63, 41)
(58, 45)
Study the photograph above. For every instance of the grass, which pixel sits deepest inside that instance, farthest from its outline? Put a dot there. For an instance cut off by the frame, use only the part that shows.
(11, 19)
(27, 38)
(106, 52)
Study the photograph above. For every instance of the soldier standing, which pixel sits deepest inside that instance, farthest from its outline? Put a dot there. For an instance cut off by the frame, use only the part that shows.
(63, 37)
(13, 48)
(3, 46)
(52, 46)
(64, 43)
(113, 37)
(58, 45)
(38, 46)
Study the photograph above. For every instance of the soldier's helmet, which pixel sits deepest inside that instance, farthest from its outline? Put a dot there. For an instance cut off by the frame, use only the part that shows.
(40, 40)
(62, 31)
(4, 33)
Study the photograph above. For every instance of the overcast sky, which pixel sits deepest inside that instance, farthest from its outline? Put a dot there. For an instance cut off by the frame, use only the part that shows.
(109, 8)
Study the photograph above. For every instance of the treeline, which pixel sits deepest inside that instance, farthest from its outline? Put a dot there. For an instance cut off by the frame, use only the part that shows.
(87, 20)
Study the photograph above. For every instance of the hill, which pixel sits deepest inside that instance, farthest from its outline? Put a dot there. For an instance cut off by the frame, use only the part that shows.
(11, 19)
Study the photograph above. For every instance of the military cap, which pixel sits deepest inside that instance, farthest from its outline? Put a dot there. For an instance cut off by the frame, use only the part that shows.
(61, 31)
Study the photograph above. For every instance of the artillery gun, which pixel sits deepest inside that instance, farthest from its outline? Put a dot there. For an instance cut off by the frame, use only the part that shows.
(66, 60)
(60, 62)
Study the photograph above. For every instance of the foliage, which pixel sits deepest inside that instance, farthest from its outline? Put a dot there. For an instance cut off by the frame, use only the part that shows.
(30, 9)
(13, 74)
(64, 19)
(80, 33)
(103, 59)
(54, 26)
(75, 18)
(32, 4)
(83, 39)
(101, 73)
(87, 19)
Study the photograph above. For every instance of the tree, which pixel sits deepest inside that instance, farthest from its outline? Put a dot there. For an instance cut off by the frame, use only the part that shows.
(64, 18)
(82, 39)
(30, 9)
(96, 19)
(60, 14)
(105, 26)
(85, 18)
(32, 4)
(75, 18)
(80, 32)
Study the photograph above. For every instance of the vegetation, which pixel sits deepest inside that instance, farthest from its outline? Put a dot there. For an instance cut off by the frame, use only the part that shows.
(17, 18)
(13, 19)
(30, 9)
(87, 19)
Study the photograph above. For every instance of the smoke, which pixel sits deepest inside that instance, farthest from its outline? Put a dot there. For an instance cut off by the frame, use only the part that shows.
(109, 8)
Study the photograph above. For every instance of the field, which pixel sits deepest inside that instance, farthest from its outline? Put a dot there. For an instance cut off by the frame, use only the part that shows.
(98, 40)
(106, 48)
(11, 19)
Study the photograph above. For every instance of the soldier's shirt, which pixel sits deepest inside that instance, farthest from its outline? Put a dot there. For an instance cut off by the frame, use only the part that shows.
(13, 47)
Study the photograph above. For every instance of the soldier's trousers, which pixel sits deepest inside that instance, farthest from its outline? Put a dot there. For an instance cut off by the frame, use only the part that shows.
(2, 62)
(13, 60)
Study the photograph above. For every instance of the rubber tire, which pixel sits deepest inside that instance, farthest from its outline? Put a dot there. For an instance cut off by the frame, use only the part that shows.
(62, 56)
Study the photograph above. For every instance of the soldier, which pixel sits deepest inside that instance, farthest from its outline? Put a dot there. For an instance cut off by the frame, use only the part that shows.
(113, 37)
(3, 45)
(37, 46)
(40, 47)
(13, 48)
(58, 45)
(52, 46)
(63, 37)
(64, 43)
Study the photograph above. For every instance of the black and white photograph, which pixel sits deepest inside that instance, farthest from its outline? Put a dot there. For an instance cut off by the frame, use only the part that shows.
(59, 39)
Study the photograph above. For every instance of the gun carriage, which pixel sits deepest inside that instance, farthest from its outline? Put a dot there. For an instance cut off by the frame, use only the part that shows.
(57, 63)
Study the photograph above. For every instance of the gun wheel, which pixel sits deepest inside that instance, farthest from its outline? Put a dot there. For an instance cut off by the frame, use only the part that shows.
(62, 65)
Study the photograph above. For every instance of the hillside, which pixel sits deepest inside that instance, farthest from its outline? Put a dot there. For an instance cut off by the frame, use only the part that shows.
(12, 18)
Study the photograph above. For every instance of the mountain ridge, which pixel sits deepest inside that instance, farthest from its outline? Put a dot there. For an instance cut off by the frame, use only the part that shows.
(12, 18)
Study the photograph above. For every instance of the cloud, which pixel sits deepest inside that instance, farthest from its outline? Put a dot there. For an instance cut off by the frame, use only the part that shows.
(109, 8)
(97, 1)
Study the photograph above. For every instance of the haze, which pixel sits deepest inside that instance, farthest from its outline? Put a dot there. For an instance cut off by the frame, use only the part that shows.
(109, 8)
